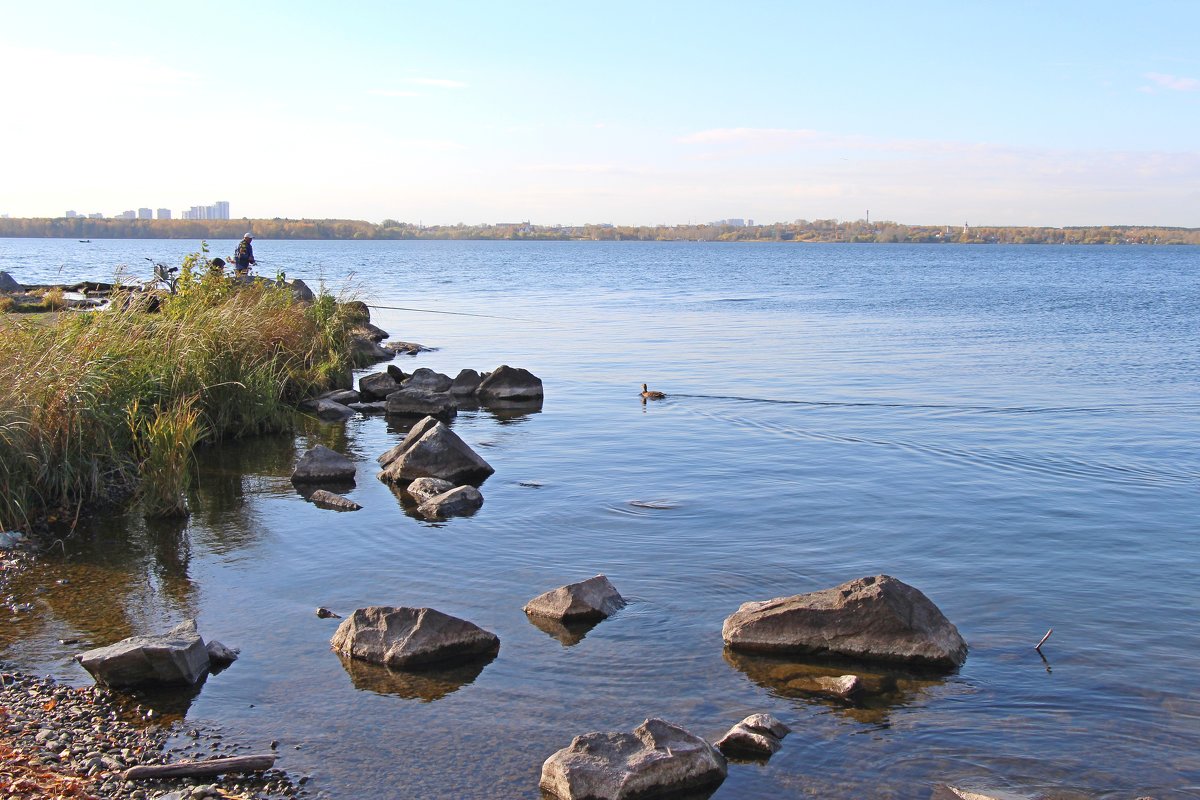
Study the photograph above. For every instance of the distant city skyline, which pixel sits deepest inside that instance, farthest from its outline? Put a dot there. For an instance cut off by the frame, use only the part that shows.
(928, 113)
(218, 210)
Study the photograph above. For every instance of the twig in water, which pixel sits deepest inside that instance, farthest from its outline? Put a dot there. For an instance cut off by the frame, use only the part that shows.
(1038, 646)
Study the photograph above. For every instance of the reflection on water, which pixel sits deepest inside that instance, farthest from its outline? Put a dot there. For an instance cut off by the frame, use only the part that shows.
(880, 692)
(567, 633)
(425, 685)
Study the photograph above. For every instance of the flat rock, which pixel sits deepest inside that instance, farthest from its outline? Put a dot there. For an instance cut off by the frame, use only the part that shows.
(377, 386)
(509, 383)
(344, 396)
(744, 742)
(423, 489)
(658, 759)
(176, 657)
(372, 332)
(373, 407)
(437, 452)
(406, 638)
(413, 401)
(328, 499)
(459, 501)
(408, 348)
(590, 600)
(945, 791)
(322, 464)
(874, 618)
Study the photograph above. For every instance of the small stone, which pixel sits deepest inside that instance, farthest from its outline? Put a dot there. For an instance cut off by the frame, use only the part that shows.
(325, 613)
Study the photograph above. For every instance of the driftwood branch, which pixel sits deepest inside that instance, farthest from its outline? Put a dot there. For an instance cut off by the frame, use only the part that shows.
(197, 769)
(1038, 646)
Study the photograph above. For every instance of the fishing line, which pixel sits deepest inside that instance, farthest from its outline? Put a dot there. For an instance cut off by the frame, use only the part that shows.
(454, 313)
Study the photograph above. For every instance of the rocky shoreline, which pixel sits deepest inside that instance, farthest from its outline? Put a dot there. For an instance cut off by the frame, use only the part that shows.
(60, 741)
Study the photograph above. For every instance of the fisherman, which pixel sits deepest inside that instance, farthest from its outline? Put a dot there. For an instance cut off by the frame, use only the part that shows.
(243, 257)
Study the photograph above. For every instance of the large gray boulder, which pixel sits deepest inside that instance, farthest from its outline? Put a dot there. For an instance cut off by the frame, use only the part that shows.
(430, 381)
(457, 502)
(407, 638)
(366, 351)
(586, 601)
(300, 291)
(377, 386)
(176, 657)
(411, 401)
(509, 383)
(657, 760)
(414, 434)
(320, 464)
(437, 452)
(874, 618)
(9, 284)
(332, 410)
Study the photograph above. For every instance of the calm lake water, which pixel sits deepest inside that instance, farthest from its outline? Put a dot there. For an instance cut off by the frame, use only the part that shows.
(1013, 430)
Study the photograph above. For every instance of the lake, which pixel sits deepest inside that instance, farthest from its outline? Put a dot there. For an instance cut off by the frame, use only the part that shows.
(1012, 430)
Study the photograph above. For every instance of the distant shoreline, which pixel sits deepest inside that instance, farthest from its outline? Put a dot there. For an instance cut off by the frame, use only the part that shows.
(801, 231)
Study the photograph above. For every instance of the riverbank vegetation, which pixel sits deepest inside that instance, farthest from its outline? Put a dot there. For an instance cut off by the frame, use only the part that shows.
(801, 230)
(97, 405)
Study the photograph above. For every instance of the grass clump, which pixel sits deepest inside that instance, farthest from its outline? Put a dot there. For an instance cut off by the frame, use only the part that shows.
(97, 404)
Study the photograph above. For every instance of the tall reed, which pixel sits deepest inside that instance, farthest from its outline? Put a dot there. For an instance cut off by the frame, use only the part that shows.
(239, 355)
(163, 441)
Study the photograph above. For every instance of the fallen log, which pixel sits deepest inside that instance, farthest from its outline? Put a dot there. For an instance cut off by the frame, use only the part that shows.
(198, 769)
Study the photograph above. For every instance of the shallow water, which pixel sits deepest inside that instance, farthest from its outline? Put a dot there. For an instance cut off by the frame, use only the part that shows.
(1010, 429)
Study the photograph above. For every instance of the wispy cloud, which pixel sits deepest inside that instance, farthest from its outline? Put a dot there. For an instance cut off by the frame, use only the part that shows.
(443, 83)
(750, 136)
(1173, 83)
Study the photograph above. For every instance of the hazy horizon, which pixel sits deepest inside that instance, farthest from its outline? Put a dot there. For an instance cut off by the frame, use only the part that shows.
(1029, 115)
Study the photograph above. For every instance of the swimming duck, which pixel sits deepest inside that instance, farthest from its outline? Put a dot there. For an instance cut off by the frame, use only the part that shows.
(649, 395)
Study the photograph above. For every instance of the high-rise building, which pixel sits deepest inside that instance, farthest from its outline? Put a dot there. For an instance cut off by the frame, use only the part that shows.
(71, 214)
(164, 213)
(145, 213)
(218, 210)
(97, 215)
(127, 215)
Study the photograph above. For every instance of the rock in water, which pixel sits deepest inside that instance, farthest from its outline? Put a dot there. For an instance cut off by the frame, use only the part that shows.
(423, 489)
(509, 383)
(874, 618)
(377, 386)
(322, 464)
(429, 381)
(457, 502)
(465, 383)
(176, 657)
(407, 638)
(219, 655)
(657, 760)
(757, 736)
(586, 601)
(437, 452)
(328, 499)
(332, 410)
(416, 402)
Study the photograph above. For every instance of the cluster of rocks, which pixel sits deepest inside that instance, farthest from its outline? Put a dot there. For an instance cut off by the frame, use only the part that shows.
(425, 392)
(87, 738)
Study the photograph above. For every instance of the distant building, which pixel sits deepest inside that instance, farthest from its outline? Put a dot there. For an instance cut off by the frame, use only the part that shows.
(218, 210)
(145, 213)
(71, 214)
(96, 216)
(164, 213)
(127, 215)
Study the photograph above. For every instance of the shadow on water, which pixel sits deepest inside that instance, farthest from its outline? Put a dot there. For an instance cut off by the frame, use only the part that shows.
(883, 690)
(425, 685)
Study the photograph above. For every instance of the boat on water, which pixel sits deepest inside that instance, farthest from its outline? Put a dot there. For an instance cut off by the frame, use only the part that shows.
(85, 241)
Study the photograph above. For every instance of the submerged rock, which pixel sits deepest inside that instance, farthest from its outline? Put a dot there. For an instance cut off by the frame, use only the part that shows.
(328, 499)
(657, 760)
(457, 502)
(757, 736)
(322, 464)
(176, 657)
(423, 489)
(406, 638)
(586, 601)
(873, 618)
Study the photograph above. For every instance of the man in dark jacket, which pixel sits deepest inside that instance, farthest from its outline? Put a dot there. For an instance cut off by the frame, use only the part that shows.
(243, 257)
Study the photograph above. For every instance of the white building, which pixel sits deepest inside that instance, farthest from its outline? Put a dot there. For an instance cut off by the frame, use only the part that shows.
(164, 213)
(145, 213)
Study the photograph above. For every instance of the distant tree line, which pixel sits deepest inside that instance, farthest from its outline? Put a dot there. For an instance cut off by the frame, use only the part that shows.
(820, 230)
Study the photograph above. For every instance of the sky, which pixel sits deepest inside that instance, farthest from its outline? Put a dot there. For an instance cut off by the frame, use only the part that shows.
(1013, 113)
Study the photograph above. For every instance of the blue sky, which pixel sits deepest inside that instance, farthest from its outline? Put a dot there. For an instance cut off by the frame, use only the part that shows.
(1061, 113)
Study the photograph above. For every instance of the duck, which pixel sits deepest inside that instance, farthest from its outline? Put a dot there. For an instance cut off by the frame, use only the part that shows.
(649, 395)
